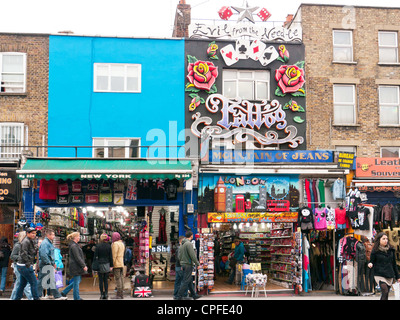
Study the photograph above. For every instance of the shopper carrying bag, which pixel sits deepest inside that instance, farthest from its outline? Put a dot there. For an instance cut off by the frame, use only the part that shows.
(104, 259)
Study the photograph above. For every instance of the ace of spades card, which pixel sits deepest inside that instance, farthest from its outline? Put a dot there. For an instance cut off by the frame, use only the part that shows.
(243, 48)
(256, 49)
(269, 55)
(229, 55)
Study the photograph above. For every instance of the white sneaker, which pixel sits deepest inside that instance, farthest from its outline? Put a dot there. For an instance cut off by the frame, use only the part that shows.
(61, 298)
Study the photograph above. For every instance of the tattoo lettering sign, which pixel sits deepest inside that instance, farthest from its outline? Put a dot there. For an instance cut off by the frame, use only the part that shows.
(243, 120)
(229, 31)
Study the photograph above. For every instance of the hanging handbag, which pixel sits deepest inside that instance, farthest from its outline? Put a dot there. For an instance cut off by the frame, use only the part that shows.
(105, 197)
(62, 199)
(91, 198)
(63, 189)
(76, 187)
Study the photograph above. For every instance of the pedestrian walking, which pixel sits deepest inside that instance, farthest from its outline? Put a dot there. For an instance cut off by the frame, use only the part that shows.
(178, 271)
(14, 257)
(187, 258)
(77, 266)
(47, 267)
(103, 255)
(5, 252)
(238, 257)
(384, 266)
(25, 263)
(118, 251)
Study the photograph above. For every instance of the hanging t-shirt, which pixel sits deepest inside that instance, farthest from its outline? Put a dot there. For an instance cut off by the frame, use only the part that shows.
(320, 219)
(171, 188)
(305, 218)
(340, 218)
(157, 189)
(330, 218)
(363, 222)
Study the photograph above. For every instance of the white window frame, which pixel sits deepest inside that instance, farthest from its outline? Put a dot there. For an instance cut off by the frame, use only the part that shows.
(14, 149)
(387, 147)
(104, 143)
(253, 80)
(343, 46)
(9, 90)
(353, 103)
(125, 65)
(389, 105)
(395, 46)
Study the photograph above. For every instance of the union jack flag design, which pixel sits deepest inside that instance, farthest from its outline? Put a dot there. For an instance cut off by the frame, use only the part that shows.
(142, 292)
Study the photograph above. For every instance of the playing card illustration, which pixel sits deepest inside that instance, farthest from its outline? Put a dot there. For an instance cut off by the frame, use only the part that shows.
(269, 55)
(229, 55)
(256, 49)
(242, 48)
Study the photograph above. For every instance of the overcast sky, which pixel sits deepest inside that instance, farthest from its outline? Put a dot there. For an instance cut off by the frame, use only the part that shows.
(133, 18)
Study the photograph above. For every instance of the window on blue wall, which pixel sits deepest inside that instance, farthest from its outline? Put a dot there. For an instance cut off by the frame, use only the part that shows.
(117, 77)
(116, 147)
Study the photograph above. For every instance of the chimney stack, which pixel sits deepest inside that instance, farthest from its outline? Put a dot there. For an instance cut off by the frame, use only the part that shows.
(182, 20)
(289, 19)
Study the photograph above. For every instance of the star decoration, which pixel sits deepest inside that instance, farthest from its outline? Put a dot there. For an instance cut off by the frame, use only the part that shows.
(245, 13)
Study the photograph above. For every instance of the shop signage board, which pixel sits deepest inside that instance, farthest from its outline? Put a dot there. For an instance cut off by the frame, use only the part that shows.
(229, 31)
(267, 217)
(387, 168)
(382, 188)
(346, 160)
(8, 187)
(270, 156)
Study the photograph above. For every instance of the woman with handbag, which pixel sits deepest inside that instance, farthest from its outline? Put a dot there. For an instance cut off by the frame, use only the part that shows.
(103, 262)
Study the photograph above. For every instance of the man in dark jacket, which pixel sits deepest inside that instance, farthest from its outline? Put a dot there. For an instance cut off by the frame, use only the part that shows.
(5, 252)
(187, 257)
(25, 263)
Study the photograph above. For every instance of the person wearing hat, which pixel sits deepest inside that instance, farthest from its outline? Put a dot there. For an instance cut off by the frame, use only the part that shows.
(47, 266)
(118, 251)
(25, 263)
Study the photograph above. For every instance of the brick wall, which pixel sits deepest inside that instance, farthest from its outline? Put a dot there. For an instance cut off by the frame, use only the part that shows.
(30, 107)
(318, 22)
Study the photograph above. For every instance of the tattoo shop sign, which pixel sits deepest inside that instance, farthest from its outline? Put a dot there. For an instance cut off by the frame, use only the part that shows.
(200, 30)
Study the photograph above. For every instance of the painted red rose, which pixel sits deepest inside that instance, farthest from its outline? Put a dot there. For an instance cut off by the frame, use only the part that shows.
(202, 74)
(290, 78)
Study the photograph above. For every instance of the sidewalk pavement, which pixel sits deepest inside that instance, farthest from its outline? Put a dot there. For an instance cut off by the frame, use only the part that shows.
(167, 295)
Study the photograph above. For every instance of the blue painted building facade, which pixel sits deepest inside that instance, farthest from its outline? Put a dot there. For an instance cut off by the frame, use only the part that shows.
(77, 113)
(83, 106)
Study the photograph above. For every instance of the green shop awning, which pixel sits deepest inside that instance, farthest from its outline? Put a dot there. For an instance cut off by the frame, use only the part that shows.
(90, 168)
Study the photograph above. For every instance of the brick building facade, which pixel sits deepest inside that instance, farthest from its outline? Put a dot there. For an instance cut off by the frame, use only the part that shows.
(25, 102)
(353, 50)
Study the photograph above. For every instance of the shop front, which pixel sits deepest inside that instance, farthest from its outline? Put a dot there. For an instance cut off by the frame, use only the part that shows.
(144, 200)
(282, 209)
(378, 182)
(9, 206)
